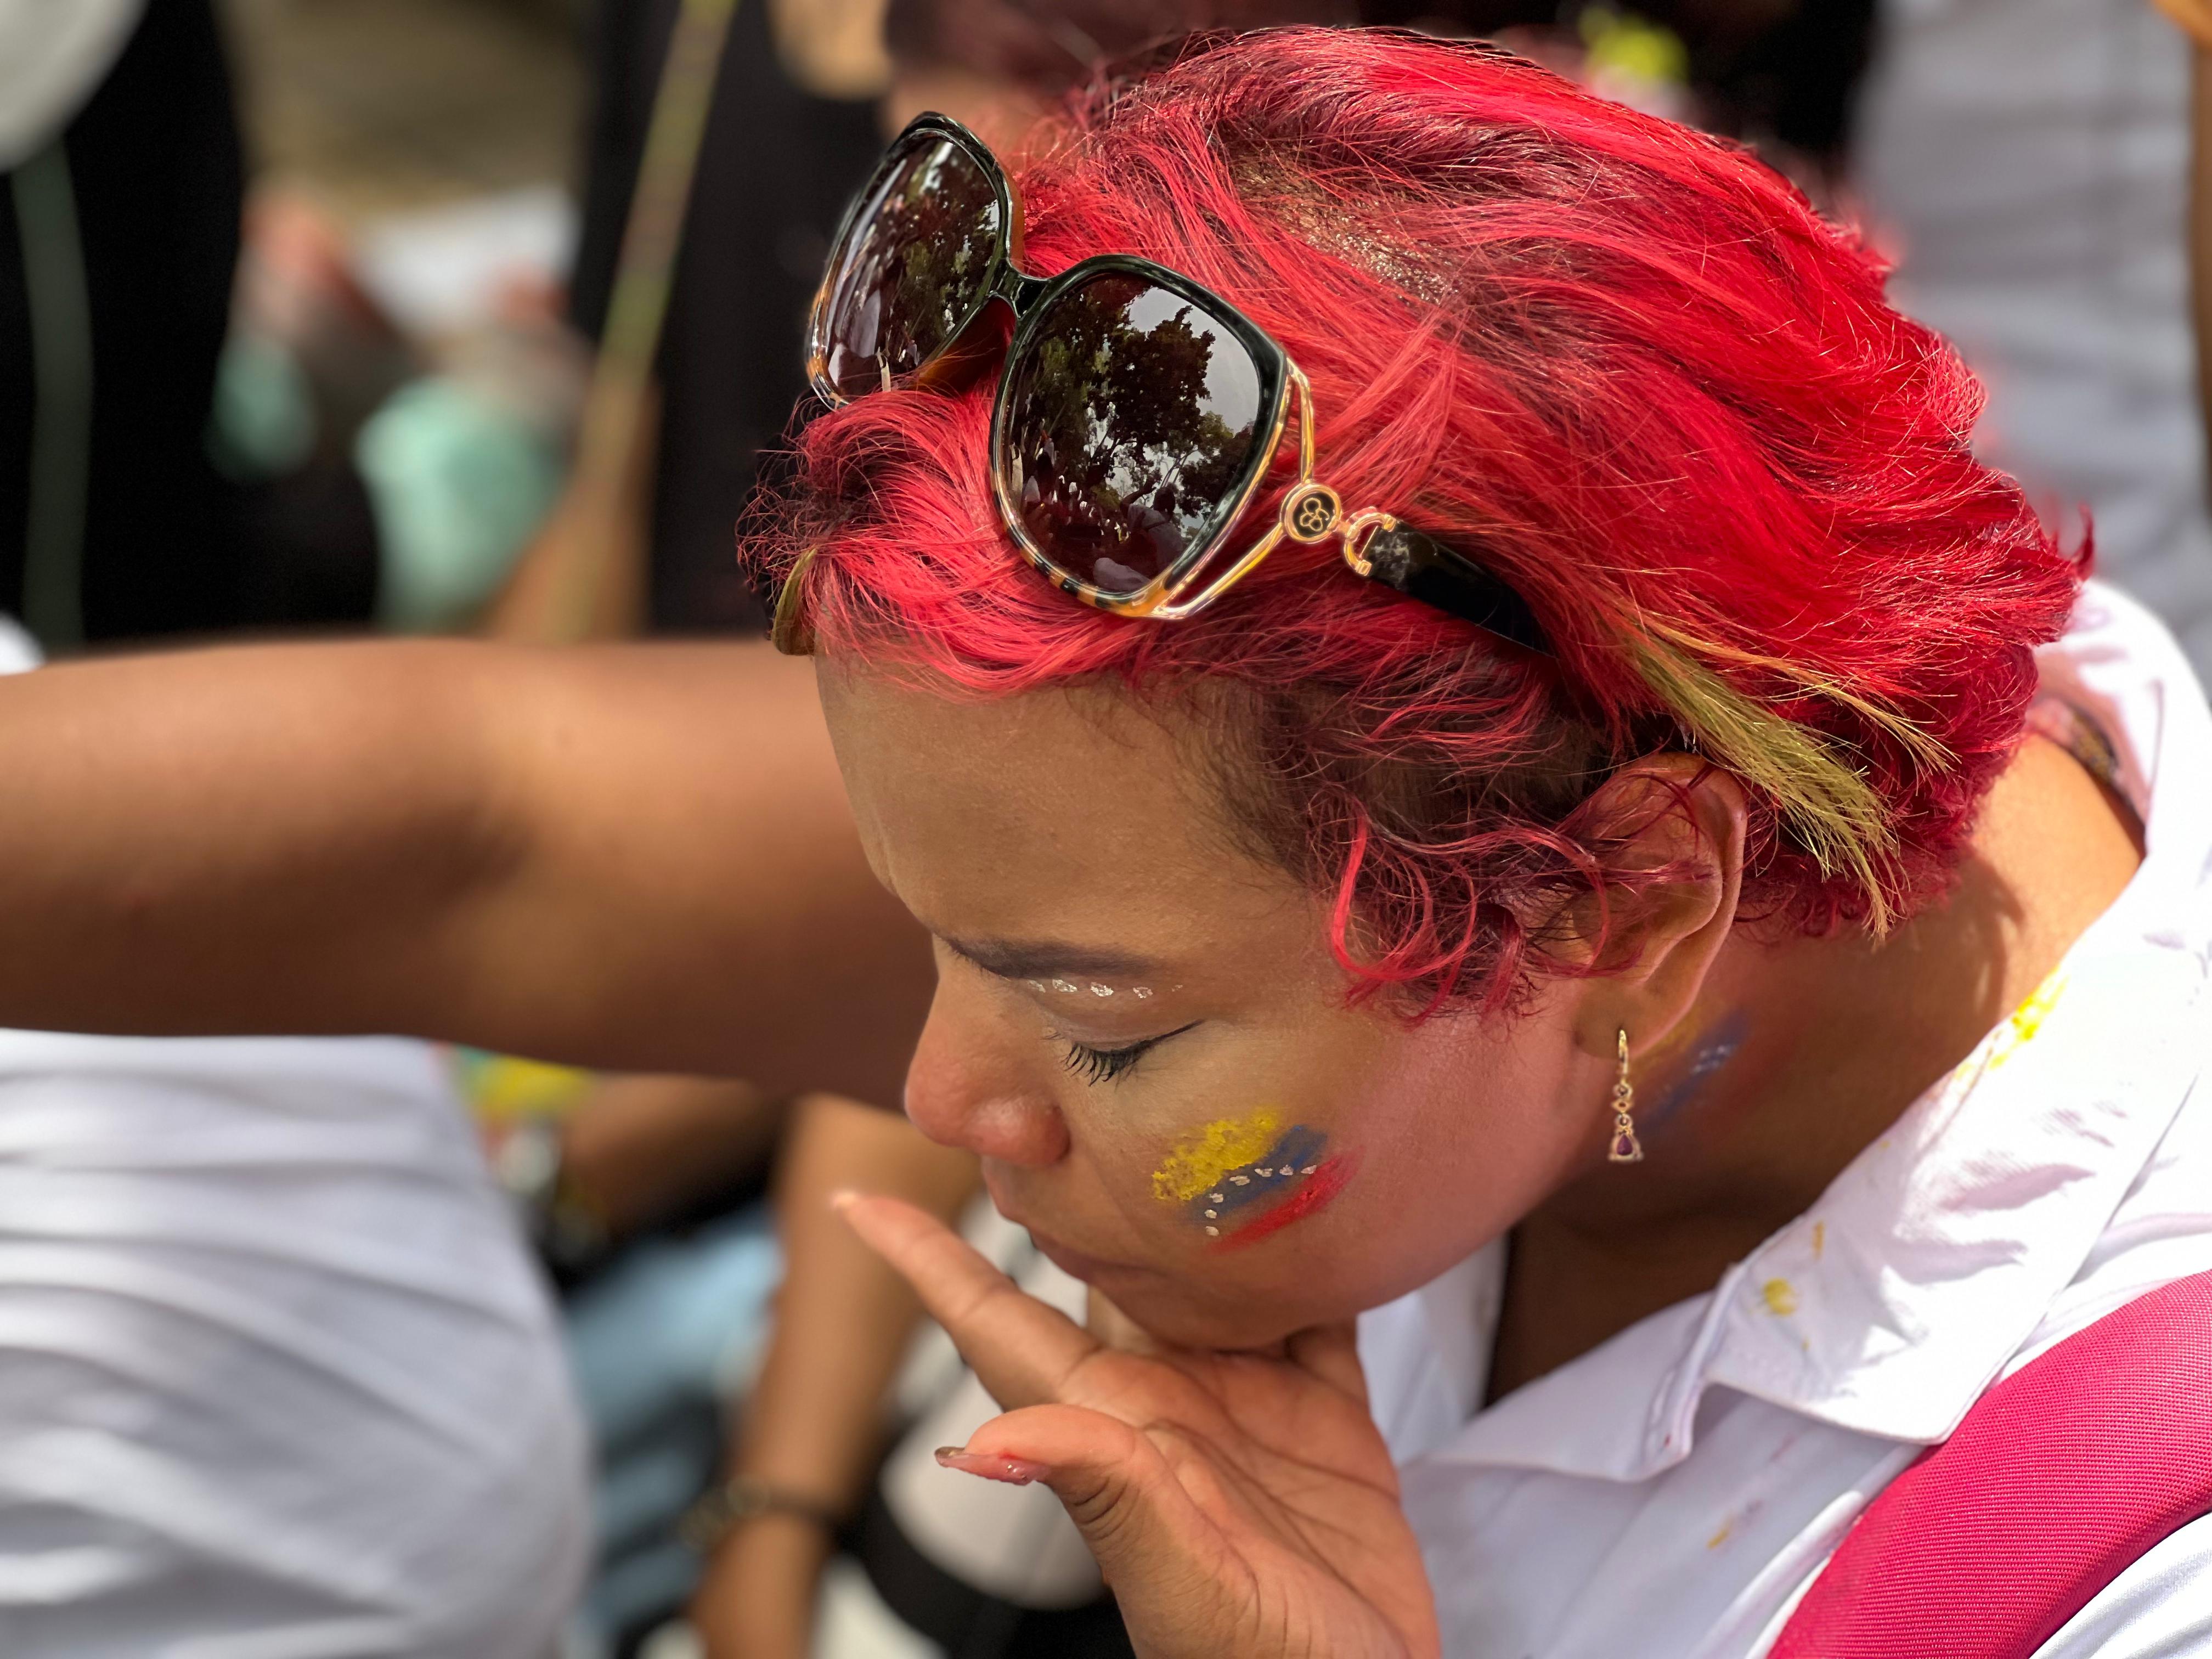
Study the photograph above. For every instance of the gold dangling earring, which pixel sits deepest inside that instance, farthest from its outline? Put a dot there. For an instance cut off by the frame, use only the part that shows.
(1626, 1148)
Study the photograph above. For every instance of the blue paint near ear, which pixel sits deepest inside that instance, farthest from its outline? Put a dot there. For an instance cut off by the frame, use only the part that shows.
(1718, 1048)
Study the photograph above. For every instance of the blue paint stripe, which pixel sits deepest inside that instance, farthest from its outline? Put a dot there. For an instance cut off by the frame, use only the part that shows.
(1296, 1147)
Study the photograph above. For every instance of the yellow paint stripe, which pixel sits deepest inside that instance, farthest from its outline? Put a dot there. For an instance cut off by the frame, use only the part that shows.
(1202, 1157)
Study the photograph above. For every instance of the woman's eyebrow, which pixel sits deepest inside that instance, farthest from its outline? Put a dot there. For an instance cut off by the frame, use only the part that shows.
(1043, 958)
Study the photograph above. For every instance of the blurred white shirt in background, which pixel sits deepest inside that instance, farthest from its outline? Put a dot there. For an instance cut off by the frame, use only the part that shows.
(2029, 161)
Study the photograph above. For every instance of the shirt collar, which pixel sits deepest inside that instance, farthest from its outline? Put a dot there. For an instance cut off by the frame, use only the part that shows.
(1890, 1306)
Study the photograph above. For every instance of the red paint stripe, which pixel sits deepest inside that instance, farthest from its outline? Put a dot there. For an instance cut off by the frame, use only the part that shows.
(1317, 1193)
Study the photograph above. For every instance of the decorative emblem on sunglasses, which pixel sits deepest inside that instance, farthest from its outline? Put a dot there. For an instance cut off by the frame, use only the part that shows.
(1311, 513)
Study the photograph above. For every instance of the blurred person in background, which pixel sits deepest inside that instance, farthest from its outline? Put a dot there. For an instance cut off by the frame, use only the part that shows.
(2032, 162)
(1780, 78)
(937, 1571)
(789, 131)
(801, 97)
(278, 1378)
(641, 1195)
(120, 232)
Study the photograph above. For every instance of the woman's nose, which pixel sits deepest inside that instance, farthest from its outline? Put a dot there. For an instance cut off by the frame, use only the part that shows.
(965, 1089)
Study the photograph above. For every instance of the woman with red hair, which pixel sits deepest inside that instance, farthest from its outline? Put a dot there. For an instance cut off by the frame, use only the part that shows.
(1564, 905)
(1588, 930)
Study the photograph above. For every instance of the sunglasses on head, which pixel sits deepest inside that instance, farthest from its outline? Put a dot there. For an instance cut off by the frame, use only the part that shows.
(1137, 411)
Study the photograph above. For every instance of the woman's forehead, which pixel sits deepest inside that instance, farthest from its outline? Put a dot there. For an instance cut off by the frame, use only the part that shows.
(1062, 815)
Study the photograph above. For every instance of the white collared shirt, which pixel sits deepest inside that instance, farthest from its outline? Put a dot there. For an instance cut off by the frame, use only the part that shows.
(1673, 1492)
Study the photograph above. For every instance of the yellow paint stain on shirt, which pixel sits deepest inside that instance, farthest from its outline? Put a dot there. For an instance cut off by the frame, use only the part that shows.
(1819, 1238)
(1781, 1296)
(2027, 1020)
(1722, 1537)
(1202, 1157)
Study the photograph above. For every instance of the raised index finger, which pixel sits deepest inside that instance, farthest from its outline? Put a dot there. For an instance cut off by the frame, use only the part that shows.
(1021, 1350)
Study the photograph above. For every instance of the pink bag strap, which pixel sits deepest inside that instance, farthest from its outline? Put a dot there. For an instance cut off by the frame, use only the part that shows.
(2059, 1478)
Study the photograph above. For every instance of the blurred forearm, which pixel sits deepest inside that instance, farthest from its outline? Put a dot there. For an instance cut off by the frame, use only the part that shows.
(632, 857)
(233, 840)
(843, 1318)
(812, 1424)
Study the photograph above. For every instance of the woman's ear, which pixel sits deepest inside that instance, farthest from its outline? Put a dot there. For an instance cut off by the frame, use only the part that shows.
(1669, 835)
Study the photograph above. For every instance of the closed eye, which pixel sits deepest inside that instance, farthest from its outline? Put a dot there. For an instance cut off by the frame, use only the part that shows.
(1097, 1066)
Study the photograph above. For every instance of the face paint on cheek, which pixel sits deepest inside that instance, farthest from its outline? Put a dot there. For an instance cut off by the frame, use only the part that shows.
(1316, 1191)
(1712, 1056)
(1241, 1180)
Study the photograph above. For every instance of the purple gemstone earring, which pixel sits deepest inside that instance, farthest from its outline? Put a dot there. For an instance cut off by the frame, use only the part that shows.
(1626, 1148)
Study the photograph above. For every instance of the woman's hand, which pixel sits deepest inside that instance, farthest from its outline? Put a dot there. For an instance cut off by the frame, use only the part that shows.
(1241, 1506)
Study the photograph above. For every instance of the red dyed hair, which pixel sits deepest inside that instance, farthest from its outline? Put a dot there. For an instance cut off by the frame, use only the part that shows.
(1618, 361)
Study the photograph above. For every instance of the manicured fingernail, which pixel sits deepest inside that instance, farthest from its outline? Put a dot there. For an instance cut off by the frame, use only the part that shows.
(1013, 1471)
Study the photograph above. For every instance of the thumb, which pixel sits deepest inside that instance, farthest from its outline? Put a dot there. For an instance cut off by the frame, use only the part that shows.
(1166, 1560)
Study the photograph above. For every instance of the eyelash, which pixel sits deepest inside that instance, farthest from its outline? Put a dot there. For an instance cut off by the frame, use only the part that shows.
(1097, 1066)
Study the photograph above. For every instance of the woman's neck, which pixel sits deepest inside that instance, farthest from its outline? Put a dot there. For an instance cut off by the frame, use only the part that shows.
(1800, 1055)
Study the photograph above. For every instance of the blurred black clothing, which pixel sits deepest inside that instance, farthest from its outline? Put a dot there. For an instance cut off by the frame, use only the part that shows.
(968, 1623)
(156, 170)
(1772, 73)
(776, 170)
(157, 175)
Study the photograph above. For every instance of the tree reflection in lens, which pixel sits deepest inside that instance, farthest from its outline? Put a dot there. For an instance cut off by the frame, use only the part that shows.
(1129, 421)
(921, 261)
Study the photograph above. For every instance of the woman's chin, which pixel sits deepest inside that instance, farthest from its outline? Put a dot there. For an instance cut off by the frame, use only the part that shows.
(1184, 1304)
(1185, 1316)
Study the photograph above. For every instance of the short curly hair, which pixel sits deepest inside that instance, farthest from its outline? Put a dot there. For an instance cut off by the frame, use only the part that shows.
(1621, 363)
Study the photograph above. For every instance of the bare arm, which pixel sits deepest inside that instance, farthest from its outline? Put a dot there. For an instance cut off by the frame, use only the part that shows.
(843, 1318)
(636, 857)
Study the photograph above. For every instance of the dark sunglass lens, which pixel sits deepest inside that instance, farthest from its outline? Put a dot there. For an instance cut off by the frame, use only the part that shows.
(1129, 420)
(912, 269)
